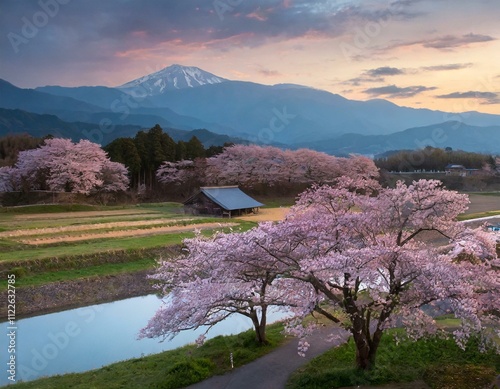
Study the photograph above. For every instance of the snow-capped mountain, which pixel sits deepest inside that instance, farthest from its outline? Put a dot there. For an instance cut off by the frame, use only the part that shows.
(172, 77)
(286, 114)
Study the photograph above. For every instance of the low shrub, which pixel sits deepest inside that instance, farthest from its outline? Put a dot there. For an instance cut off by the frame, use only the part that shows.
(459, 376)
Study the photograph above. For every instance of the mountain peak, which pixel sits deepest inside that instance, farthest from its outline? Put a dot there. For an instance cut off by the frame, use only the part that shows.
(172, 77)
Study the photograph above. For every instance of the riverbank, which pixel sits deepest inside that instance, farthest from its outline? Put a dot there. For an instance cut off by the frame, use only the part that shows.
(59, 283)
(59, 296)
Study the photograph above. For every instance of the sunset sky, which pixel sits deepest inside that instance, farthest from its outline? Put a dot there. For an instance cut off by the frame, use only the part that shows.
(438, 54)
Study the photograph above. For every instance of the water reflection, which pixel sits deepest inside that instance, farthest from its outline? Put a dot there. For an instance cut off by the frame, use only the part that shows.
(88, 338)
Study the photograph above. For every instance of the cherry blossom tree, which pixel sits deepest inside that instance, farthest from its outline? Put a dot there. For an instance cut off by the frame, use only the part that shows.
(114, 177)
(28, 172)
(185, 175)
(244, 165)
(367, 260)
(218, 277)
(73, 167)
(377, 259)
(9, 180)
(249, 165)
(175, 172)
(61, 165)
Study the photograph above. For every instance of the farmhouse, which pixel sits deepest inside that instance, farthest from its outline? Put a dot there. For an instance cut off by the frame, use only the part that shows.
(459, 170)
(221, 201)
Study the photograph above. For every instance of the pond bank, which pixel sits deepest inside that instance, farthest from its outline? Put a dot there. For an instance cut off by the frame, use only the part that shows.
(58, 296)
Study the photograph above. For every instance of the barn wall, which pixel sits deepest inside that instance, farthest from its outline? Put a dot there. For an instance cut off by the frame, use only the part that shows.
(202, 205)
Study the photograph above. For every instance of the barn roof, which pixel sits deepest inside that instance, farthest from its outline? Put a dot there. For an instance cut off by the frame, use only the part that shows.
(230, 197)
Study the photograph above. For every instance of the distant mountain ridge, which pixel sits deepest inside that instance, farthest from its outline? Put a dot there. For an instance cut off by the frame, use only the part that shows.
(122, 108)
(449, 134)
(12, 97)
(15, 121)
(286, 115)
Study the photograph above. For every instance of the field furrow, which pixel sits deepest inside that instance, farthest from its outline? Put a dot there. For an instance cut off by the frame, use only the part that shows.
(124, 233)
(87, 227)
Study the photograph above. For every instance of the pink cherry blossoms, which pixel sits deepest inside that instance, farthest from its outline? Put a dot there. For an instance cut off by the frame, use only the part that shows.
(379, 259)
(61, 165)
(252, 165)
(218, 277)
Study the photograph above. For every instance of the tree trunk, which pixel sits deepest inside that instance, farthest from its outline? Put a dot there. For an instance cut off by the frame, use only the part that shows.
(260, 327)
(366, 345)
(374, 343)
(363, 351)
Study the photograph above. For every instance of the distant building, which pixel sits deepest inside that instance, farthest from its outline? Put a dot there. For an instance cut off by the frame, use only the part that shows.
(221, 201)
(459, 170)
(494, 227)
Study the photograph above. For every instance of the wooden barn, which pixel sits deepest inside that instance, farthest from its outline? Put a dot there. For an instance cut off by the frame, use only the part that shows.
(221, 201)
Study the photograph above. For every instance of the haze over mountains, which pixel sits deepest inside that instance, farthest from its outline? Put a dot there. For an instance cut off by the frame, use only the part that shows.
(187, 98)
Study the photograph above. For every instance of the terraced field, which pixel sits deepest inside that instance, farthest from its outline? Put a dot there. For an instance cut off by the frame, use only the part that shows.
(26, 233)
(59, 243)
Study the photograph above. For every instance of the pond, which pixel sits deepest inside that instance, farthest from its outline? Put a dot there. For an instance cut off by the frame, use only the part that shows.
(91, 337)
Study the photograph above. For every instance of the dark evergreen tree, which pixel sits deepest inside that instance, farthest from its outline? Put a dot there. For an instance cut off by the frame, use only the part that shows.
(154, 147)
(11, 145)
(124, 150)
(194, 149)
(180, 151)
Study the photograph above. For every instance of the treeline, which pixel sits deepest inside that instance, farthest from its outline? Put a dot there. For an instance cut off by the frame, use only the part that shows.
(144, 153)
(433, 159)
(267, 169)
(11, 145)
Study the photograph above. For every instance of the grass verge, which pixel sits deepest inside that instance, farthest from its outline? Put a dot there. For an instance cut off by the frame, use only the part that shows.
(54, 208)
(477, 215)
(105, 269)
(171, 369)
(403, 362)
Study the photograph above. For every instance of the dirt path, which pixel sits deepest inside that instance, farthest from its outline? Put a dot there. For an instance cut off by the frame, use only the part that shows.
(125, 233)
(267, 214)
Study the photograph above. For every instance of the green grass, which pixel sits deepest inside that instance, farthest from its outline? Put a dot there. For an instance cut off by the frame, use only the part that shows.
(8, 214)
(105, 269)
(168, 207)
(486, 193)
(273, 202)
(54, 208)
(448, 322)
(70, 262)
(171, 369)
(29, 224)
(471, 216)
(97, 246)
(58, 208)
(403, 362)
